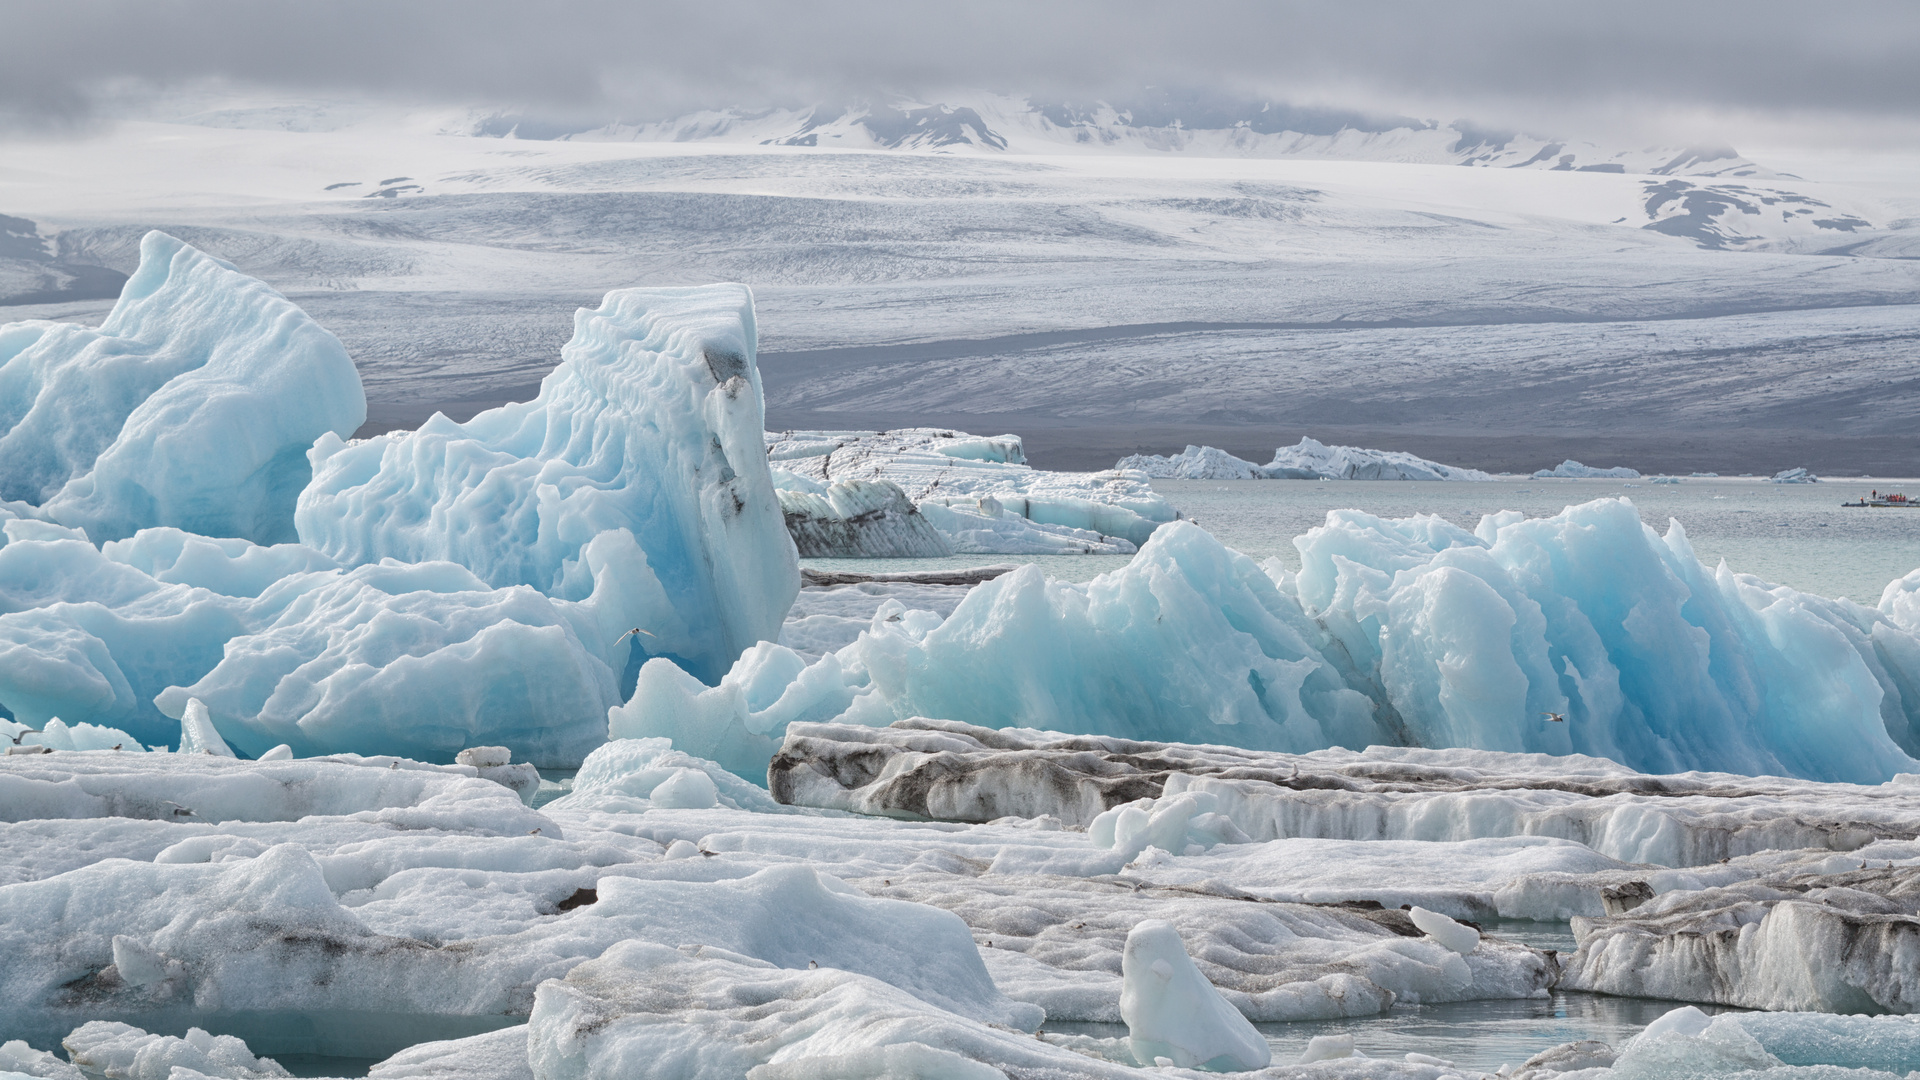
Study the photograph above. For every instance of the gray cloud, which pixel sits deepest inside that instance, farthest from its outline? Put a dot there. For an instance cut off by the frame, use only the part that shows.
(1513, 61)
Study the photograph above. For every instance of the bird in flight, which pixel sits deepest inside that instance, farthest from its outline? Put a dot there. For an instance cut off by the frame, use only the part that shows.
(1556, 717)
(630, 633)
(23, 733)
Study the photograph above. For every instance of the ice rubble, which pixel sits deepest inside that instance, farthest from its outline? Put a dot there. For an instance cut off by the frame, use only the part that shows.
(979, 492)
(1571, 469)
(1411, 632)
(191, 406)
(1309, 459)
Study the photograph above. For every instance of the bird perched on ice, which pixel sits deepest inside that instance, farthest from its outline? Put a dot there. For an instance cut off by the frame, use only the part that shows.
(1556, 717)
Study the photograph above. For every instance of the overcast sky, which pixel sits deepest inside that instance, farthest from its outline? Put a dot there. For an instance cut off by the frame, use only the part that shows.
(1832, 69)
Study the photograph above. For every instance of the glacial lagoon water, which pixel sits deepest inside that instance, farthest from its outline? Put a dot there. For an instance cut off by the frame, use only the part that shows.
(1788, 534)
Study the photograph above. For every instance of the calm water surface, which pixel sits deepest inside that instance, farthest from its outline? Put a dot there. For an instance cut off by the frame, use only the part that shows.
(1789, 534)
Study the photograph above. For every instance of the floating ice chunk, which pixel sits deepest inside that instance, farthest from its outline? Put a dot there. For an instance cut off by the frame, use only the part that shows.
(56, 734)
(192, 405)
(1687, 1042)
(984, 526)
(739, 722)
(1172, 1011)
(1573, 469)
(962, 471)
(1461, 939)
(681, 1012)
(686, 789)
(857, 519)
(17, 1059)
(627, 774)
(1327, 1048)
(1310, 460)
(1118, 655)
(139, 965)
(1793, 476)
(483, 757)
(1656, 661)
(650, 424)
(1193, 463)
(125, 1052)
(197, 733)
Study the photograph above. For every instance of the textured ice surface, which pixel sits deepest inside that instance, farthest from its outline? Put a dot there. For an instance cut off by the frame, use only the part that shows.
(980, 491)
(651, 426)
(1572, 468)
(1414, 632)
(381, 659)
(192, 405)
(856, 519)
(125, 1052)
(1794, 476)
(486, 583)
(952, 771)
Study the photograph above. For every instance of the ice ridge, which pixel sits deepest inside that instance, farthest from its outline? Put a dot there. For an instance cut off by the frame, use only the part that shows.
(191, 406)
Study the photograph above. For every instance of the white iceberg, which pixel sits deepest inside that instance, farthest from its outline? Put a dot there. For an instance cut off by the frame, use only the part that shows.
(994, 502)
(1794, 476)
(1193, 463)
(192, 405)
(1571, 469)
(1309, 460)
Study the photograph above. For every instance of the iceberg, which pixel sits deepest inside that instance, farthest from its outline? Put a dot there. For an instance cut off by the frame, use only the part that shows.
(1793, 476)
(980, 492)
(1308, 459)
(1174, 1016)
(651, 424)
(1411, 632)
(1193, 463)
(1571, 469)
(1311, 460)
(487, 583)
(191, 406)
(863, 519)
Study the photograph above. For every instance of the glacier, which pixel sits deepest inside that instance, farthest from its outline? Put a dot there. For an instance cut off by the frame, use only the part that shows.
(1309, 459)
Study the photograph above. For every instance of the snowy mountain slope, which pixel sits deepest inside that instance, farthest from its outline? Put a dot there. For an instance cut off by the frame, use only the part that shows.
(1180, 292)
(1156, 121)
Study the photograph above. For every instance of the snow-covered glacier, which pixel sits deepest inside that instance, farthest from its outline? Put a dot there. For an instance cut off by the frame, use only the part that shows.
(191, 406)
